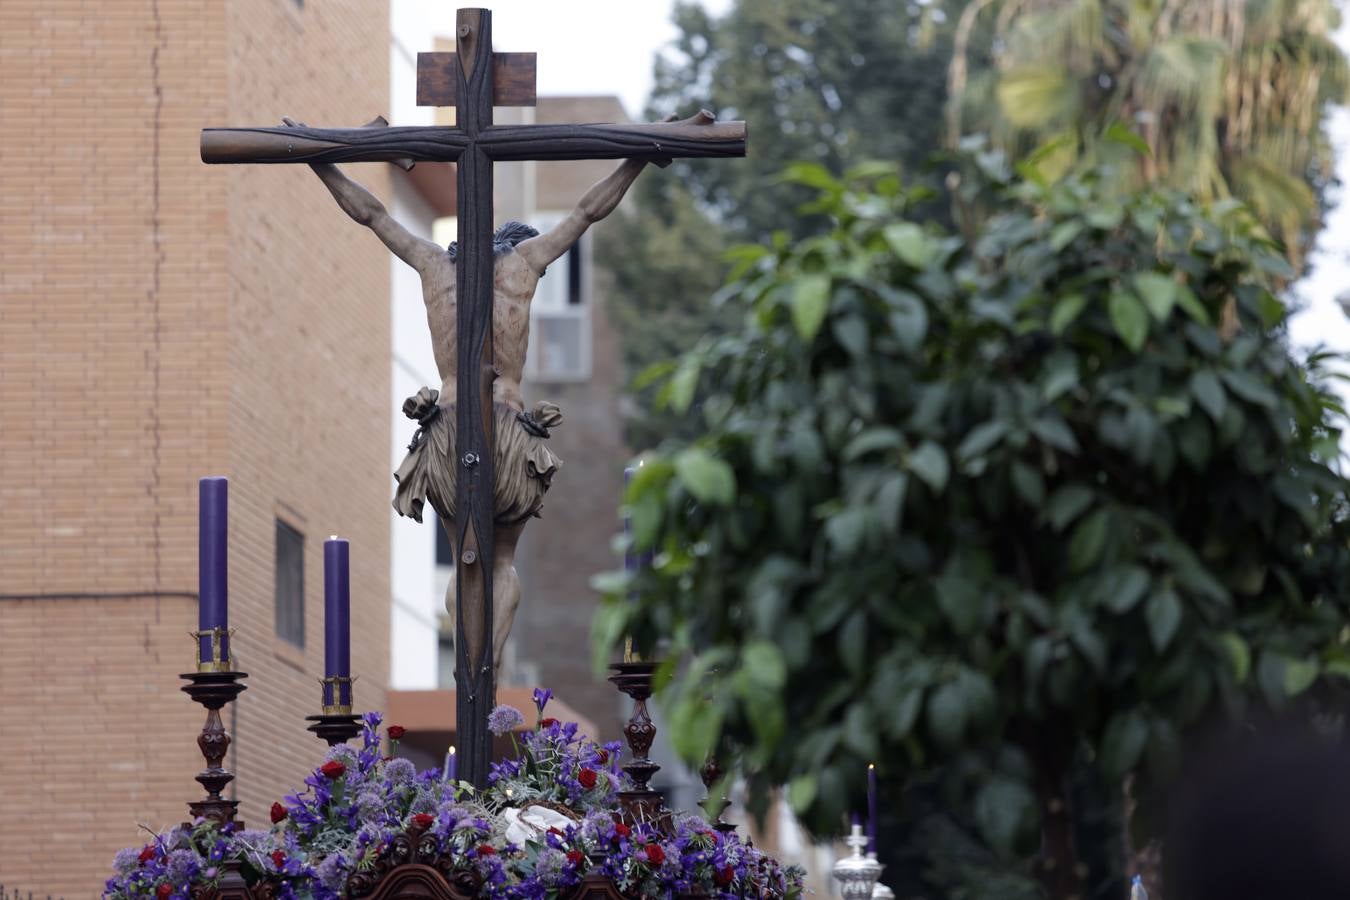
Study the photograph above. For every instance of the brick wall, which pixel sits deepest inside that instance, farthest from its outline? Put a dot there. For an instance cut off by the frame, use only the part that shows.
(161, 320)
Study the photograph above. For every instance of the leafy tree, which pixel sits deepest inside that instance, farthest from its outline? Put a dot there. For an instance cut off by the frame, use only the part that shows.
(1227, 96)
(820, 80)
(994, 512)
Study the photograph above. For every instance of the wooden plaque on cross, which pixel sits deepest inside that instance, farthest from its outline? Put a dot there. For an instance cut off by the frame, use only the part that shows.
(473, 79)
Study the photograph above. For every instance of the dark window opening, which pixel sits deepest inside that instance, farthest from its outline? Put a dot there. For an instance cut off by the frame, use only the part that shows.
(444, 555)
(574, 282)
(290, 585)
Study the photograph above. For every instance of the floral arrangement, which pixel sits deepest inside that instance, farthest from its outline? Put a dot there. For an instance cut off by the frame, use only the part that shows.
(547, 819)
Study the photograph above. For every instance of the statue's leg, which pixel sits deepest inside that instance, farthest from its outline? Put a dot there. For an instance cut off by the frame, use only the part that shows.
(505, 587)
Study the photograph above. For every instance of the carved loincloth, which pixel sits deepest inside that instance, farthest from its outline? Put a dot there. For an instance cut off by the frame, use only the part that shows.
(523, 464)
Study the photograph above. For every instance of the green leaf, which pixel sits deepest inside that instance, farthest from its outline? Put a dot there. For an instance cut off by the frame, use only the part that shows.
(1158, 292)
(963, 602)
(929, 463)
(981, 438)
(947, 714)
(1117, 133)
(1239, 656)
(1299, 674)
(891, 500)
(846, 530)
(908, 317)
(871, 440)
(1163, 614)
(1249, 388)
(1050, 428)
(1028, 483)
(811, 174)
(1123, 744)
(763, 664)
(906, 712)
(1123, 587)
(810, 300)
(1187, 300)
(1129, 318)
(1209, 393)
(1006, 814)
(682, 385)
(1063, 234)
(802, 792)
(910, 243)
(1066, 504)
(1088, 541)
(1066, 310)
(708, 478)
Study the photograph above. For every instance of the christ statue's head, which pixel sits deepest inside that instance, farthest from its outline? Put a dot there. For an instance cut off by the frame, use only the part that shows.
(503, 239)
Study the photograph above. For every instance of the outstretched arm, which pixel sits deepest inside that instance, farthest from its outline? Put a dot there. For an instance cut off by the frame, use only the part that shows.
(594, 205)
(365, 209)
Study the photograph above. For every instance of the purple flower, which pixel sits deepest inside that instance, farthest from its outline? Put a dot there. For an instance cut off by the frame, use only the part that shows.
(541, 698)
(504, 718)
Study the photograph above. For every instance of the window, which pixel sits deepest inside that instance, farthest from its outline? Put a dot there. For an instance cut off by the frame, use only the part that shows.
(290, 585)
(560, 320)
(444, 555)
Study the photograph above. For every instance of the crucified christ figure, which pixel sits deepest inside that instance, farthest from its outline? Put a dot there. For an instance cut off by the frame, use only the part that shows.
(523, 463)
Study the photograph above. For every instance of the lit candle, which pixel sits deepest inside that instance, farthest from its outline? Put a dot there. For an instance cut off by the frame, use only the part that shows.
(872, 808)
(449, 773)
(212, 576)
(337, 621)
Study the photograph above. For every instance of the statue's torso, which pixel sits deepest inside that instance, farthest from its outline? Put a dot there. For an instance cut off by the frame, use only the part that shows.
(513, 285)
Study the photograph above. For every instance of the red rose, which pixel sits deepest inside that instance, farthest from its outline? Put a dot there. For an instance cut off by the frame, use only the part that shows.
(278, 813)
(622, 830)
(396, 732)
(548, 723)
(333, 770)
(587, 778)
(655, 855)
(422, 820)
(487, 850)
(602, 756)
(278, 858)
(163, 891)
(552, 830)
(575, 857)
(147, 854)
(725, 876)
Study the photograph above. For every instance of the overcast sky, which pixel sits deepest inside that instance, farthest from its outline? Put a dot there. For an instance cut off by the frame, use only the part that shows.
(584, 46)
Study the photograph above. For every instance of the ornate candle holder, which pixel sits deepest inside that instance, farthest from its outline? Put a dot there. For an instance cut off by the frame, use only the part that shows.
(642, 804)
(337, 724)
(711, 775)
(857, 874)
(220, 660)
(213, 689)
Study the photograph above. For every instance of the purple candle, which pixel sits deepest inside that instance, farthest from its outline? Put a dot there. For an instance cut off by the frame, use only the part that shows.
(212, 577)
(871, 808)
(337, 620)
(450, 772)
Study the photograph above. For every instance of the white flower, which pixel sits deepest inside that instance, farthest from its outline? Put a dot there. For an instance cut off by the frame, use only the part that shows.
(532, 823)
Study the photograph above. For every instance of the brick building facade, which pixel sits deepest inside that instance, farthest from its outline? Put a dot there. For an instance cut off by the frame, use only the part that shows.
(159, 321)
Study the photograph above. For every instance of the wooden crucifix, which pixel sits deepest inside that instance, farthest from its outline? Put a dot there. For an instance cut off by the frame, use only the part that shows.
(474, 79)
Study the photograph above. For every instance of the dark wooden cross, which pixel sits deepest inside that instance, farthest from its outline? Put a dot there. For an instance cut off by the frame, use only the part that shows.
(474, 79)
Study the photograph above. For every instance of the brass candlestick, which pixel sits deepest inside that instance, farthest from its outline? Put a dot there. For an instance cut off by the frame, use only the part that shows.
(220, 660)
(336, 724)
